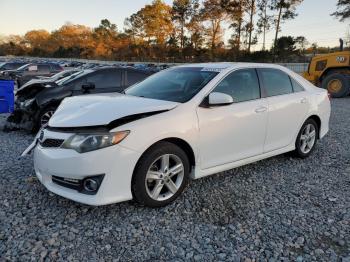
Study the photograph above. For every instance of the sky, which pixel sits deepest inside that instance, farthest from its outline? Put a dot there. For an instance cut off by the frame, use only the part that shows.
(19, 16)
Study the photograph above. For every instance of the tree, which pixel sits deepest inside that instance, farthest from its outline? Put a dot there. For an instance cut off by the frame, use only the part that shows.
(343, 11)
(250, 25)
(214, 14)
(265, 20)
(286, 9)
(156, 19)
(301, 43)
(39, 42)
(182, 12)
(235, 10)
(106, 39)
(285, 46)
(73, 40)
(196, 29)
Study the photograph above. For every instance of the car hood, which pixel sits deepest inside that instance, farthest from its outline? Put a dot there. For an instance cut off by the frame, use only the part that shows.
(103, 109)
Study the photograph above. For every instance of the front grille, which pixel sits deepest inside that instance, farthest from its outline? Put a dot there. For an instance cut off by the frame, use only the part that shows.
(52, 143)
(75, 184)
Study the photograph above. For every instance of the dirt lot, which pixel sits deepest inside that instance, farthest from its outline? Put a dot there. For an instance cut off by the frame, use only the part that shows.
(277, 209)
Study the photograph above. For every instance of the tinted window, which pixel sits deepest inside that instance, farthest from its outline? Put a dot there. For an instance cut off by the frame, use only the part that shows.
(134, 77)
(44, 68)
(275, 82)
(106, 78)
(296, 86)
(11, 66)
(176, 84)
(242, 85)
(56, 67)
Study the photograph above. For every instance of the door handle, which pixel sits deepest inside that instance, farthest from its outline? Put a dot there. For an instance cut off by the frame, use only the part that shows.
(261, 109)
(303, 100)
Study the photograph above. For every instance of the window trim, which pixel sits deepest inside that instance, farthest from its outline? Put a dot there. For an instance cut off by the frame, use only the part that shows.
(228, 74)
(262, 84)
(293, 79)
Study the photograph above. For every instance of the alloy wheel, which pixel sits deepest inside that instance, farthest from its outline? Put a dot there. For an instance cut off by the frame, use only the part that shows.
(164, 177)
(46, 117)
(307, 138)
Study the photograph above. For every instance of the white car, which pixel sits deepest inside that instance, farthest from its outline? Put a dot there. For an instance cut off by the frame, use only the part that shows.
(183, 123)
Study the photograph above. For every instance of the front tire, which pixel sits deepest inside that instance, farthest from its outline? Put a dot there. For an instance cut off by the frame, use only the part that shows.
(306, 139)
(44, 117)
(160, 175)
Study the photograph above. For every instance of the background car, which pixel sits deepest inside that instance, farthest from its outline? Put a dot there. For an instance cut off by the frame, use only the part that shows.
(5, 66)
(36, 103)
(30, 71)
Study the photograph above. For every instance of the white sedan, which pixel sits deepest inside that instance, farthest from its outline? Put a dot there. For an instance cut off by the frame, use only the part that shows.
(183, 123)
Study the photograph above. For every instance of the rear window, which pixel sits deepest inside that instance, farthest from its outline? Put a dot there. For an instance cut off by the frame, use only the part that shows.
(56, 67)
(44, 67)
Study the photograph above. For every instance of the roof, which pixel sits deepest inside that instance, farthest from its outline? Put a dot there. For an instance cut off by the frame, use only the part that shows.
(227, 65)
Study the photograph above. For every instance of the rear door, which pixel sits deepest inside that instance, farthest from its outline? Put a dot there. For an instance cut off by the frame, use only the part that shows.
(288, 107)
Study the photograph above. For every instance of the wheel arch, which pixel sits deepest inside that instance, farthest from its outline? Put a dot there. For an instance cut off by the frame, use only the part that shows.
(333, 70)
(317, 119)
(181, 143)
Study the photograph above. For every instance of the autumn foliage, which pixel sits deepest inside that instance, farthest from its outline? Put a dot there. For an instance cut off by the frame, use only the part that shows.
(189, 30)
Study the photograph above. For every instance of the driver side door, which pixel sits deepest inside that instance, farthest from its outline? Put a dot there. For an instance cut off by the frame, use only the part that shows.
(237, 131)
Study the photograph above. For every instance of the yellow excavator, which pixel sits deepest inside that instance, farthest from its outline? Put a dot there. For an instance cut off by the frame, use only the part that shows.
(331, 71)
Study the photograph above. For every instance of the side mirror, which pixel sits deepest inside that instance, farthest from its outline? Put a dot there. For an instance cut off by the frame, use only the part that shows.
(87, 87)
(219, 99)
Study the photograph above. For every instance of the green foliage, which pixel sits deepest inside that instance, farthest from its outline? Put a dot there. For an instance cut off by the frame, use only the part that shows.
(343, 11)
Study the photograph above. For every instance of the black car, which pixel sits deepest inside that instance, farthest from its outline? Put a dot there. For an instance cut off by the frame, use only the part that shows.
(35, 104)
(10, 66)
(27, 72)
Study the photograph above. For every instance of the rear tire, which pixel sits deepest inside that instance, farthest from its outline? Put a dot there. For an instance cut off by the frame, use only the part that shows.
(306, 139)
(160, 175)
(338, 85)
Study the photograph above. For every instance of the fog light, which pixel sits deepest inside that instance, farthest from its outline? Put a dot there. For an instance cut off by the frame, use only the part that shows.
(91, 185)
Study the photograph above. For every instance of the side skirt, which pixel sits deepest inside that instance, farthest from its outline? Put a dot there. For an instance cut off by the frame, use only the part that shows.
(198, 173)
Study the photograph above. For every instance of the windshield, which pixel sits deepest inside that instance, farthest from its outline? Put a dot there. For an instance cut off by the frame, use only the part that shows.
(70, 78)
(177, 84)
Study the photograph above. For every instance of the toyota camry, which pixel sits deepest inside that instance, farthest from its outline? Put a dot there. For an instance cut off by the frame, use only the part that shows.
(183, 123)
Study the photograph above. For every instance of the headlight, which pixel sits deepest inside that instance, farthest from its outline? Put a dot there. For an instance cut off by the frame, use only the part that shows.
(83, 143)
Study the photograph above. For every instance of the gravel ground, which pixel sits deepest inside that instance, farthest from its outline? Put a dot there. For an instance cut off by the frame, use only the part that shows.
(277, 209)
